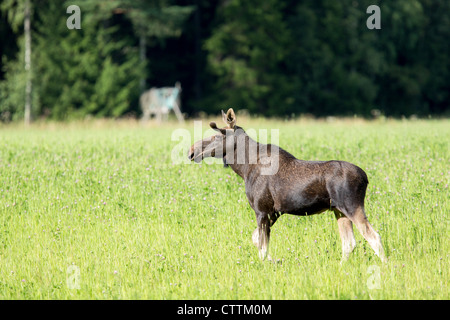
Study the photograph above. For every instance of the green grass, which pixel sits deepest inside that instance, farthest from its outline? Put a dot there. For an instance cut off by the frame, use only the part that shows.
(107, 199)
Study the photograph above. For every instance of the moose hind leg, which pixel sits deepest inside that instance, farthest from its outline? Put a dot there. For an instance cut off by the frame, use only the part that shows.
(366, 229)
(346, 233)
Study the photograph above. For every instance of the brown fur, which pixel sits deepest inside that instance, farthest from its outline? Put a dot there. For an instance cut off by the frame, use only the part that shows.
(297, 187)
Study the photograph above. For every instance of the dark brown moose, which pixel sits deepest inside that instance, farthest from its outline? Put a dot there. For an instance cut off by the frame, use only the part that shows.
(276, 183)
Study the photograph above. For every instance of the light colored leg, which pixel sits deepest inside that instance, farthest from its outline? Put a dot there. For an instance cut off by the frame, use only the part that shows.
(367, 231)
(260, 239)
(263, 243)
(255, 237)
(346, 233)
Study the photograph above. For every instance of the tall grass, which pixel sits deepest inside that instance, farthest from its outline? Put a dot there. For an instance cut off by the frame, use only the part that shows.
(106, 200)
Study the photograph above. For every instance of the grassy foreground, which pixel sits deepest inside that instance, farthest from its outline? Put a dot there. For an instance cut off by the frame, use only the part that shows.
(101, 211)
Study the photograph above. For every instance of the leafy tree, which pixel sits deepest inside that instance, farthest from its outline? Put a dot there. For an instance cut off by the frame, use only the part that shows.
(95, 70)
(433, 54)
(151, 19)
(87, 71)
(20, 12)
(275, 57)
(247, 53)
(334, 59)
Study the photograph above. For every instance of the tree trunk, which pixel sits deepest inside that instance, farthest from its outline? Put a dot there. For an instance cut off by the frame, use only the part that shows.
(198, 52)
(27, 32)
(143, 58)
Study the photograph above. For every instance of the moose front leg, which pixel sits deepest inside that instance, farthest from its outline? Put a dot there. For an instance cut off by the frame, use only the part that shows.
(261, 235)
(260, 239)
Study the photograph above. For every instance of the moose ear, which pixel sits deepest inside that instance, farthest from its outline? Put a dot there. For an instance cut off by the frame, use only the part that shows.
(229, 118)
(213, 125)
(224, 117)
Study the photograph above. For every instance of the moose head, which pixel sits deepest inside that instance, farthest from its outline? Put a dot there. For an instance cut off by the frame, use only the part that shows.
(218, 144)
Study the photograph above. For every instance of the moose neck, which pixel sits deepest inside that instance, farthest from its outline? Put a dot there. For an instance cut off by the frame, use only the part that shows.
(245, 157)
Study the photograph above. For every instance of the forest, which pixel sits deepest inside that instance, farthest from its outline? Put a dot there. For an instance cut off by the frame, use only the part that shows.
(281, 58)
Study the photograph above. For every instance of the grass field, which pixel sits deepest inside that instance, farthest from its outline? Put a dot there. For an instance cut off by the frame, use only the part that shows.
(99, 211)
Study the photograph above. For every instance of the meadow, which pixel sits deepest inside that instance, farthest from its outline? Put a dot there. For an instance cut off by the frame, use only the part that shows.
(99, 210)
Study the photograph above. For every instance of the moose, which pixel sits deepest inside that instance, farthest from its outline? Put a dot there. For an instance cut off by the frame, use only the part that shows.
(295, 186)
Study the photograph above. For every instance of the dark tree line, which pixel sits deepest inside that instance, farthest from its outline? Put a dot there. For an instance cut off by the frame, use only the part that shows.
(271, 57)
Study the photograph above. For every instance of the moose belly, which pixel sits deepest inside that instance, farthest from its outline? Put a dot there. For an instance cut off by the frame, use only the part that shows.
(302, 204)
(307, 210)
